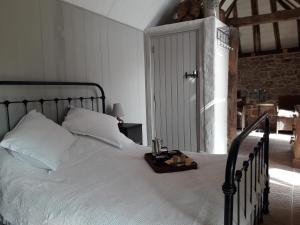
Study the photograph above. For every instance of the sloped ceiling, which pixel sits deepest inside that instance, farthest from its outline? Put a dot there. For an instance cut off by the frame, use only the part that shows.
(136, 13)
(287, 29)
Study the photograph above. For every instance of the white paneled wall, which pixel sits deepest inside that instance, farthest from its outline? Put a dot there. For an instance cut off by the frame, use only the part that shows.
(54, 40)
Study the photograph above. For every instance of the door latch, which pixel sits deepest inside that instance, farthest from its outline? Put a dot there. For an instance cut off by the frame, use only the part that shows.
(194, 75)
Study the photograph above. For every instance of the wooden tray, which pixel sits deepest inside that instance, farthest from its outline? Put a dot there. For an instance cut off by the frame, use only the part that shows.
(159, 165)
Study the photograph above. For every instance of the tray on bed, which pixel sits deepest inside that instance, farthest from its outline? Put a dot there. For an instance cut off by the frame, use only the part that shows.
(159, 165)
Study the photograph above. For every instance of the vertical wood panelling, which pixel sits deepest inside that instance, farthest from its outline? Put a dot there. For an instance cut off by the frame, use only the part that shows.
(186, 90)
(69, 41)
(20, 41)
(54, 40)
(93, 51)
(8, 39)
(180, 100)
(198, 105)
(78, 45)
(157, 115)
(175, 96)
(52, 27)
(141, 81)
(162, 75)
(168, 89)
(174, 87)
(201, 93)
(93, 48)
(30, 54)
(193, 91)
(75, 56)
(125, 61)
(104, 29)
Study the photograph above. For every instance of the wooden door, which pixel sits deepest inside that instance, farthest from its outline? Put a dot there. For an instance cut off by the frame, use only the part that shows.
(174, 97)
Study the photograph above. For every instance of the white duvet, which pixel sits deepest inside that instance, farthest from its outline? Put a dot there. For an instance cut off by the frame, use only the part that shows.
(102, 185)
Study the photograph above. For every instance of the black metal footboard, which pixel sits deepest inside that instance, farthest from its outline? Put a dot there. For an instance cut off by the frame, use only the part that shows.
(251, 182)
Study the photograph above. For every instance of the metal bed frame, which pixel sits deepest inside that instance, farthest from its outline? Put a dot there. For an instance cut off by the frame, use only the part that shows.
(260, 157)
(233, 177)
(7, 103)
(42, 101)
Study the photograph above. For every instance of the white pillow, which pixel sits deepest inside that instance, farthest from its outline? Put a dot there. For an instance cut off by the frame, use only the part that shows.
(93, 124)
(39, 141)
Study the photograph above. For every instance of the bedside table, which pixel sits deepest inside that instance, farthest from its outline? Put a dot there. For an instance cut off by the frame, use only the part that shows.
(133, 131)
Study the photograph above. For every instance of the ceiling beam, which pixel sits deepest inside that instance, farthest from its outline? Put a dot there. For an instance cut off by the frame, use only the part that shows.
(222, 3)
(232, 84)
(230, 8)
(271, 52)
(275, 25)
(235, 15)
(284, 4)
(293, 14)
(256, 28)
(298, 28)
(291, 4)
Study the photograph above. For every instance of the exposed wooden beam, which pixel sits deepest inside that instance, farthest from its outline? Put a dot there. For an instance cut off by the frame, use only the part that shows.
(256, 38)
(235, 16)
(291, 4)
(222, 15)
(270, 52)
(235, 12)
(275, 25)
(298, 21)
(230, 8)
(284, 5)
(222, 3)
(293, 14)
(232, 85)
(256, 28)
(298, 28)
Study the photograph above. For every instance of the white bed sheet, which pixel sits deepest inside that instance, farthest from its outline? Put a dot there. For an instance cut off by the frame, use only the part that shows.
(102, 185)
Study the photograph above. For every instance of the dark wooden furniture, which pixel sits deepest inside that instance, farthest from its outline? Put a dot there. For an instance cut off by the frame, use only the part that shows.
(296, 147)
(287, 102)
(252, 111)
(133, 131)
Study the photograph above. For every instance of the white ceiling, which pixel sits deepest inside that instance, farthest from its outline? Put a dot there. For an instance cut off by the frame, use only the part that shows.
(136, 13)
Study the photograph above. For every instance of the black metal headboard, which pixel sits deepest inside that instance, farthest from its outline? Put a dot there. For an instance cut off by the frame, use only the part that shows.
(56, 100)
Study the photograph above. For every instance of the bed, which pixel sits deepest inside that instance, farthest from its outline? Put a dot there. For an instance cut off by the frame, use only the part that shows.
(100, 184)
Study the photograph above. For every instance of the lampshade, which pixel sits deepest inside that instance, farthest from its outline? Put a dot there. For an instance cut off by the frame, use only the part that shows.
(118, 110)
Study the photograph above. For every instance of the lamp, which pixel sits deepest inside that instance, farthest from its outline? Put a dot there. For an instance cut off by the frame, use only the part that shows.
(118, 111)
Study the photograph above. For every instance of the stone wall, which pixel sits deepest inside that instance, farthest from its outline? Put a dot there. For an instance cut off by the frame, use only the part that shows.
(275, 75)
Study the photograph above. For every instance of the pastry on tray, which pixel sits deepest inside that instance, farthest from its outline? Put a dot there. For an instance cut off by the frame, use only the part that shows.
(180, 160)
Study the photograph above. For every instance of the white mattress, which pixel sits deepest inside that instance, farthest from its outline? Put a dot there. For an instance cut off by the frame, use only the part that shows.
(102, 185)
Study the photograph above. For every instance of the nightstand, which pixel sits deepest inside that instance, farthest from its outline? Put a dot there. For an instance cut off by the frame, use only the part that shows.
(133, 131)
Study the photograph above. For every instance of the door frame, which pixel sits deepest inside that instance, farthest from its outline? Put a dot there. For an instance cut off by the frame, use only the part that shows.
(148, 35)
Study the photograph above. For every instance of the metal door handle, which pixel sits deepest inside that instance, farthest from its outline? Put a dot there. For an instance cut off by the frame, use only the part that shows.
(194, 75)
